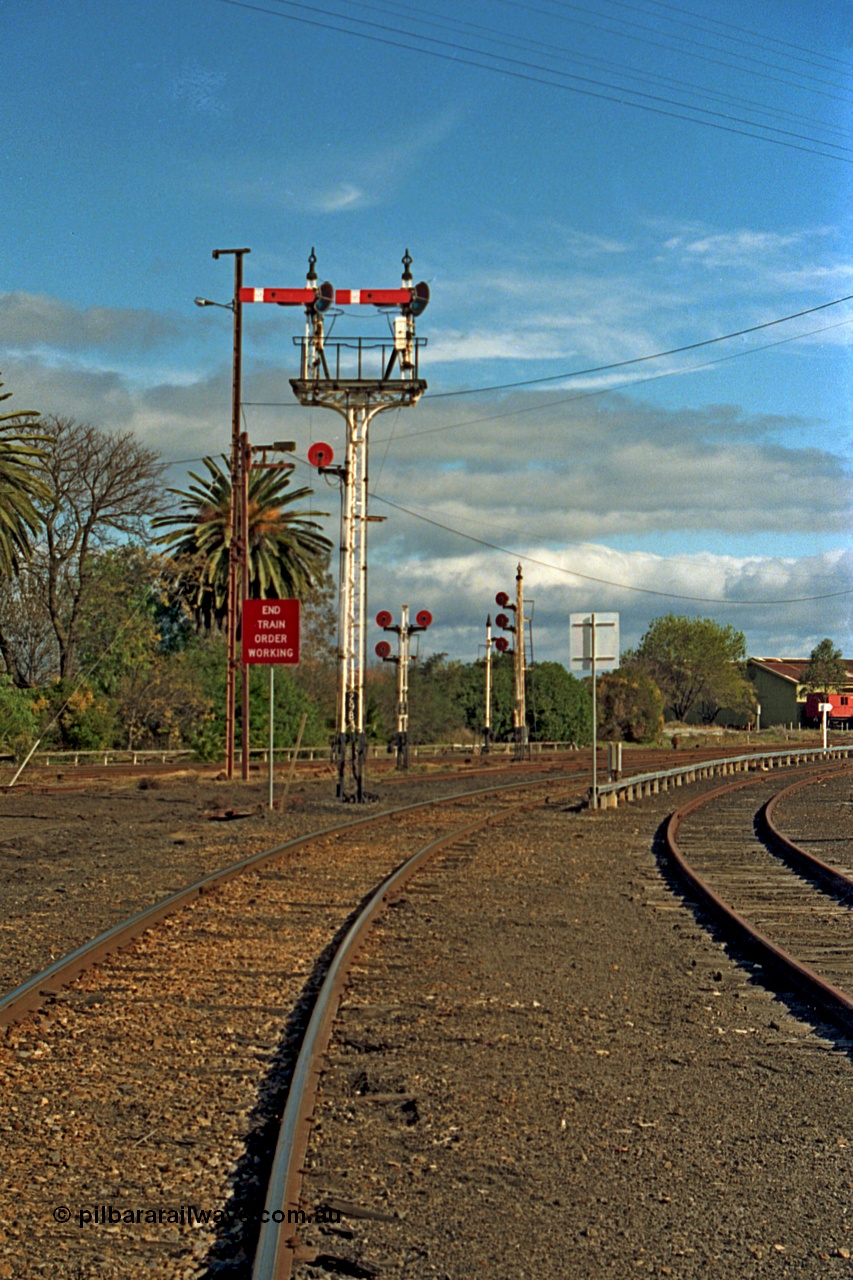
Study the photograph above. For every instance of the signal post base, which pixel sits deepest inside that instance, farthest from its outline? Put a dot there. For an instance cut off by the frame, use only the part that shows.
(349, 753)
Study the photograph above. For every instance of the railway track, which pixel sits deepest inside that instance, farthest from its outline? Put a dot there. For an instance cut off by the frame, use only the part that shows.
(177, 1007)
(790, 906)
(448, 1057)
(156, 1075)
(73, 868)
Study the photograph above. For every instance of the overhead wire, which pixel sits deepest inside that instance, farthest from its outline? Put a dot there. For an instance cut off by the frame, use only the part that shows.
(657, 355)
(572, 55)
(630, 382)
(810, 54)
(519, 4)
(623, 364)
(608, 582)
(614, 94)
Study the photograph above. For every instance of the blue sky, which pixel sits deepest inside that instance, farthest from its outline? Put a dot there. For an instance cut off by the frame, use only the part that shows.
(561, 225)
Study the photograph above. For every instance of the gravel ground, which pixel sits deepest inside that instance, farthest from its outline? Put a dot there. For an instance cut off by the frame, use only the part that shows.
(570, 1102)
(74, 863)
(152, 1085)
(547, 1066)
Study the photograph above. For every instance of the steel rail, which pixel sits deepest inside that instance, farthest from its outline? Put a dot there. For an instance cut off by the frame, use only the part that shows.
(32, 993)
(813, 866)
(833, 1002)
(277, 1250)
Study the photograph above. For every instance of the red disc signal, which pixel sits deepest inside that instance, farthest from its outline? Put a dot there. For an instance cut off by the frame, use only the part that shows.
(321, 455)
(502, 621)
(502, 599)
(501, 644)
(383, 649)
(424, 618)
(383, 618)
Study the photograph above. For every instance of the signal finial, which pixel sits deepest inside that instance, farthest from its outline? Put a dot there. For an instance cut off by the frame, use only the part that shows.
(311, 278)
(407, 274)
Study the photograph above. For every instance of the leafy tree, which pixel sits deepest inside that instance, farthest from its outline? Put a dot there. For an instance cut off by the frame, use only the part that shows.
(76, 716)
(290, 702)
(435, 713)
(163, 704)
(691, 660)
(18, 722)
(100, 489)
(827, 670)
(27, 640)
(317, 669)
(22, 487)
(473, 692)
(629, 706)
(117, 631)
(731, 691)
(288, 556)
(559, 707)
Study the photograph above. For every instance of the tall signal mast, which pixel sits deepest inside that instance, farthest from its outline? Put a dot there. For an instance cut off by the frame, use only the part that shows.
(358, 378)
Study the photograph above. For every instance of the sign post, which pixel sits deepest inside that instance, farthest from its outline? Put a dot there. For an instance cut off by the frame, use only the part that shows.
(824, 708)
(271, 638)
(594, 647)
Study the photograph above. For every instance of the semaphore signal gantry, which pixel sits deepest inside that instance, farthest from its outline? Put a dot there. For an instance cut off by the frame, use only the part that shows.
(357, 377)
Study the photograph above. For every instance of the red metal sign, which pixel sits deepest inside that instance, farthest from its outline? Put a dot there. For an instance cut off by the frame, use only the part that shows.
(271, 631)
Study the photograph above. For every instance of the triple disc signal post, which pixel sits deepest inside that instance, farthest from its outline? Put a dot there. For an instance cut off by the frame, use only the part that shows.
(358, 377)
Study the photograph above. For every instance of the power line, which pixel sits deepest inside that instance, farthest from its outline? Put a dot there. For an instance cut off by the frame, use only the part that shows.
(554, 51)
(669, 373)
(657, 355)
(810, 54)
(607, 582)
(614, 95)
(631, 382)
(516, 4)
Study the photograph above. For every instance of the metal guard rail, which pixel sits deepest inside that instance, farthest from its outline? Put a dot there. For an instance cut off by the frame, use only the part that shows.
(610, 794)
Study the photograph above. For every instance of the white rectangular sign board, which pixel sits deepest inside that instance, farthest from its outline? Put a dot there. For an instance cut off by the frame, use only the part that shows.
(605, 628)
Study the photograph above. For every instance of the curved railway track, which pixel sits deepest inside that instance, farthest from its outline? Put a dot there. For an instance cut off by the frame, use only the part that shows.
(207, 993)
(792, 908)
(42, 986)
(194, 971)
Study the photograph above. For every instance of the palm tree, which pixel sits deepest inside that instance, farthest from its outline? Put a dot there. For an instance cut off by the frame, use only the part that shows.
(287, 553)
(21, 487)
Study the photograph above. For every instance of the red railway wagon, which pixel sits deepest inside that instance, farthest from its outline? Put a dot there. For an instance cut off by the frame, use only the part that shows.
(841, 715)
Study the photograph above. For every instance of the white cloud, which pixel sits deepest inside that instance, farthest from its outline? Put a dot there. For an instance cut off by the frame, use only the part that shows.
(344, 196)
(460, 591)
(30, 321)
